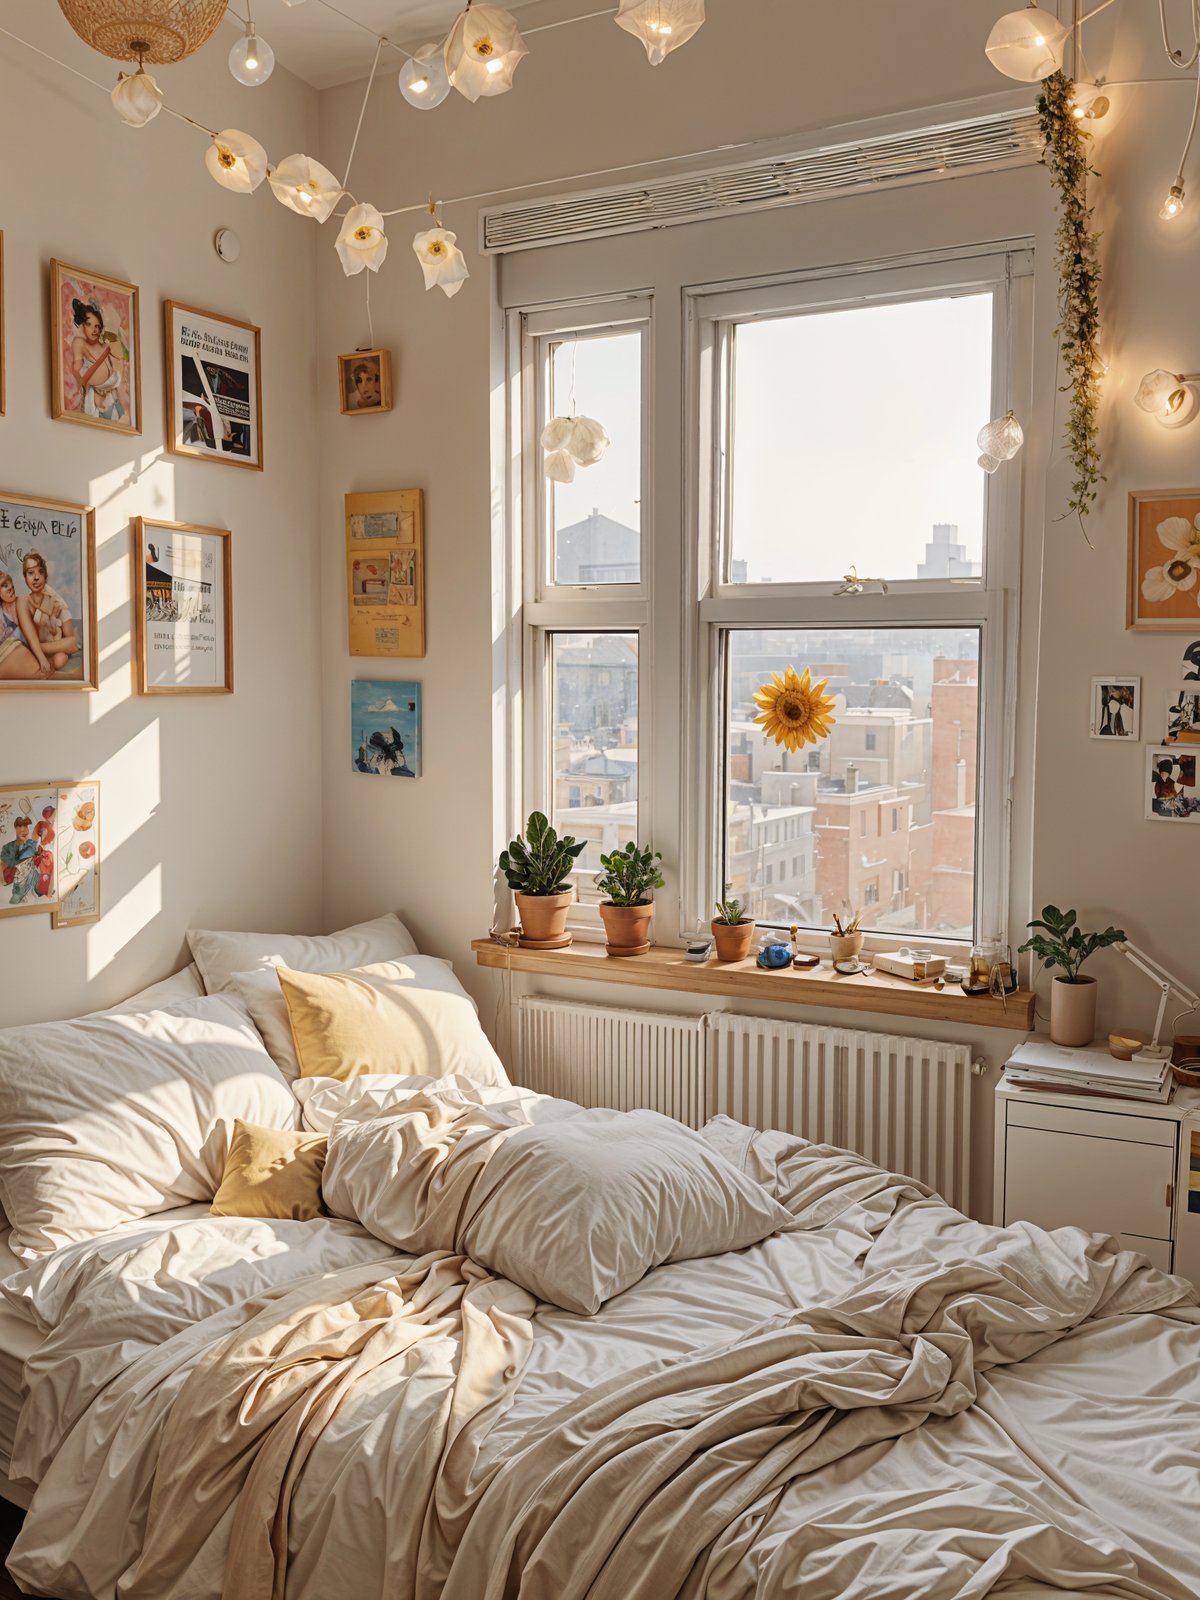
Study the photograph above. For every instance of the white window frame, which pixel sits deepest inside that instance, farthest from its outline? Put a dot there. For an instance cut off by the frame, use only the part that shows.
(711, 603)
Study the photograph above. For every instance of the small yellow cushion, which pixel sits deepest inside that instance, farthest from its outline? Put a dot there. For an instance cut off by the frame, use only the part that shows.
(269, 1173)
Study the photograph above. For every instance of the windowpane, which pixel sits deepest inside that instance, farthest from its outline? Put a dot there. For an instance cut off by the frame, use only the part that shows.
(594, 755)
(597, 519)
(881, 816)
(854, 442)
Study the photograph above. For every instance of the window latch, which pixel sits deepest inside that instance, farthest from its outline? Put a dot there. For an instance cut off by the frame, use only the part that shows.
(853, 584)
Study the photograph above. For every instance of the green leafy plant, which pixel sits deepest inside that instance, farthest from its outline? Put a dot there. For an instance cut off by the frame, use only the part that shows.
(729, 910)
(1062, 943)
(1077, 253)
(541, 863)
(629, 876)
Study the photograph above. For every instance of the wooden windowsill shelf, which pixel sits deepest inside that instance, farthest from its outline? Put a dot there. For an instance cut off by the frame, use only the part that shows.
(669, 969)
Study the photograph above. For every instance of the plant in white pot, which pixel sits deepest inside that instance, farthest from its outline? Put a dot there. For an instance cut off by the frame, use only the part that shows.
(1062, 943)
(629, 879)
(538, 868)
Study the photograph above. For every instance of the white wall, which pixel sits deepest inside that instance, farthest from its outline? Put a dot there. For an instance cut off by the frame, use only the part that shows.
(210, 806)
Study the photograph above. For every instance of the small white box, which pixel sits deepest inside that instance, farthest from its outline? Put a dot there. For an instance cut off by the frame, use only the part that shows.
(915, 965)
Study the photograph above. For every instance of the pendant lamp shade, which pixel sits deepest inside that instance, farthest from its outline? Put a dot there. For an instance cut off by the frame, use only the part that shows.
(158, 31)
(483, 51)
(1027, 45)
(661, 25)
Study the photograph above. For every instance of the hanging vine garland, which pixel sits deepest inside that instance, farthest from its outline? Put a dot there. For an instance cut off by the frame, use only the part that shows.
(1078, 258)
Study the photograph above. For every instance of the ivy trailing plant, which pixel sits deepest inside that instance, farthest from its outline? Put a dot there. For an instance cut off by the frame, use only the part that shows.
(1078, 259)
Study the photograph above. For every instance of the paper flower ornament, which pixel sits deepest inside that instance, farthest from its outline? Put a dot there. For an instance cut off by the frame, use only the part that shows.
(661, 25)
(137, 98)
(362, 242)
(304, 185)
(571, 442)
(442, 262)
(236, 161)
(999, 441)
(793, 710)
(483, 51)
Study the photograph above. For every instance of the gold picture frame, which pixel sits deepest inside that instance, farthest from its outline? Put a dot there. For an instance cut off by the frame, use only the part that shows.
(31, 525)
(95, 350)
(1157, 563)
(385, 573)
(173, 599)
(365, 383)
(80, 855)
(212, 372)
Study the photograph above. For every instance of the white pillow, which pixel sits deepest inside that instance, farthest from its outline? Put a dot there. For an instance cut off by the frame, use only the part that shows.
(445, 1038)
(109, 1119)
(220, 955)
(323, 1100)
(185, 985)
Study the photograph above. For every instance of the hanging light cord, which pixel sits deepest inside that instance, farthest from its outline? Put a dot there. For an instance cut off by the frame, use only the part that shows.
(361, 114)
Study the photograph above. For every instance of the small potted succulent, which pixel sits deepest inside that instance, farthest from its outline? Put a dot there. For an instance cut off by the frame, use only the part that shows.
(1062, 943)
(732, 930)
(538, 868)
(628, 880)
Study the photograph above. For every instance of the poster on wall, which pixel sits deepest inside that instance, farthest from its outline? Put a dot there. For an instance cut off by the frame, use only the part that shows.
(47, 594)
(214, 386)
(385, 727)
(28, 858)
(1183, 715)
(183, 608)
(1171, 794)
(385, 573)
(77, 844)
(1163, 590)
(96, 350)
(2, 351)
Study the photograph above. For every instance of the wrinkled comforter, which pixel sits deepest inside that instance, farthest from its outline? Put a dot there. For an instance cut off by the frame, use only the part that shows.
(889, 1401)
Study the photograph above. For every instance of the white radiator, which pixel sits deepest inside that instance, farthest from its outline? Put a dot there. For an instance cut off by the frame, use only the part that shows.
(904, 1103)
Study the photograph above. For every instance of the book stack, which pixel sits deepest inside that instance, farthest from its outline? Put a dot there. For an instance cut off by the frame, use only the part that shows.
(1038, 1064)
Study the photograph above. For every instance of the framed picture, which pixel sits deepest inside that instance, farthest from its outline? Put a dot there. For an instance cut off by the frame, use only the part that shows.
(47, 594)
(365, 383)
(183, 608)
(1171, 785)
(28, 855)
(96, 350)
(385, 726)
(213, 368)
(1, 324)
(1191, 662)
(1164, 561)
(1116, 707)
(1183, 715)
(78, 846)
(385, 573)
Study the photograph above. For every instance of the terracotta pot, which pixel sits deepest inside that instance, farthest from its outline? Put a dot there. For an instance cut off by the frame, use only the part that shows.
(733, 939)
(1073, 1011)
(627, 928)
(845, 946)
(544, 919)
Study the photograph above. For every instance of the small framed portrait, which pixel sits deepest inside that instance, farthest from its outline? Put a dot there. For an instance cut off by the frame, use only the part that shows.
(78, 846)
(1116, 707)
(385, 722)
(365, 383)
(183, 608)
(96, 350)
(1183, 715)
(213, 370)
(1163, 589)
(28, 853)
(1171, 794)
(47, 594)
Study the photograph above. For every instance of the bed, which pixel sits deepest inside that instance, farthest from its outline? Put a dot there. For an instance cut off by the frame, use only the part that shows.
(879, 1397)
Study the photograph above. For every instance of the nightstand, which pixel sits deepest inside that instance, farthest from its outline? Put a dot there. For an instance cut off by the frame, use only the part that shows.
(1108, 1165)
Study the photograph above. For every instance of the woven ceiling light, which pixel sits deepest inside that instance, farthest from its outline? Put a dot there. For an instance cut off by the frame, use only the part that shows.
(157, 31)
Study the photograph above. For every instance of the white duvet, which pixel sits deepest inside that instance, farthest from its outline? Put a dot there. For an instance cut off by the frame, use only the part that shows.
(1074, 1467)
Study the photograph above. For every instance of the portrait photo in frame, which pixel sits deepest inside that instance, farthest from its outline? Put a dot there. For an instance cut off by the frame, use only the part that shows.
(47, 594)
(95, 350)
(212, 367)
(1163, 585)
(78, 846)
(182, 608)
(365, 383)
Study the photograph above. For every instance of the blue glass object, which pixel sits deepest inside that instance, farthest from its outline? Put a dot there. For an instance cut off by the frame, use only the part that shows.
(775, 956)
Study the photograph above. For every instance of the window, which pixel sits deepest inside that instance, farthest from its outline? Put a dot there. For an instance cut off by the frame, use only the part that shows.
(870, 739)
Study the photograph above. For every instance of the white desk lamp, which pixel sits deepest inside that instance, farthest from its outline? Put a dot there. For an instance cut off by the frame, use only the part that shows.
(1168, 985)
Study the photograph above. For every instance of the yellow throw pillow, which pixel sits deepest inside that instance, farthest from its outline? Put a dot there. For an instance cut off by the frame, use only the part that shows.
(269, 1173)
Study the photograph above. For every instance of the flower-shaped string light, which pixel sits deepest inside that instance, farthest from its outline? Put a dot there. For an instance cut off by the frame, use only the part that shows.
(442, 262)
(483, 50)
(1171, 398)
(1027, 45)
(236, 161)
(423, 79)
(362, 243)
(305, 186)
(137, 98)
(661, 25)
(999, 441)
(1181, 538)
(794, 710)
(570, 442)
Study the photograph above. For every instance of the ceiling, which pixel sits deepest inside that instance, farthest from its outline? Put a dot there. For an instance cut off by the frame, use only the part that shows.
(325, 48)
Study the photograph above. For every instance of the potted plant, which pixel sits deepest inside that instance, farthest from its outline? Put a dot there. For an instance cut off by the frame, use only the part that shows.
(731, 929)
(1062, 943)
(538, 868)
(627, 882)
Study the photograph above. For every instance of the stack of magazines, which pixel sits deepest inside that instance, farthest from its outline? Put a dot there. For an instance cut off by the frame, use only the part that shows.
(1038, 1064)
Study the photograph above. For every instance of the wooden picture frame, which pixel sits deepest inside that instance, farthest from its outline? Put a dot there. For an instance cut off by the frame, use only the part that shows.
(3, 339)
(28, 858)
(365, 383)
(174, 601)
(385, 573)
(92, 315)
(29, 526)
(212, 372)
(79, 854)
(1163, 567)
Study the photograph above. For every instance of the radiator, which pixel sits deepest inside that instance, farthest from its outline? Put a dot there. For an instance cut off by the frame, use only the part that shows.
(904, 1103)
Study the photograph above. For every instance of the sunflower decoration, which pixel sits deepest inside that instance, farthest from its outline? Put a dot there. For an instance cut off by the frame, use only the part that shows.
(794, 710)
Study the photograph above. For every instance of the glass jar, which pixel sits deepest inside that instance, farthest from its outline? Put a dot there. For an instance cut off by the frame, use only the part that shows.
(979, 970)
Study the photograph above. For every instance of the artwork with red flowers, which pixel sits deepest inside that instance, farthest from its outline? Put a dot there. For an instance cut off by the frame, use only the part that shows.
(28, 849)
(78, 844)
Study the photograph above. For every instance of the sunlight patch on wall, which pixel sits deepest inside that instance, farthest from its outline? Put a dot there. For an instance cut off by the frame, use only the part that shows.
(134, 773)
(145, 487)
(123, 921)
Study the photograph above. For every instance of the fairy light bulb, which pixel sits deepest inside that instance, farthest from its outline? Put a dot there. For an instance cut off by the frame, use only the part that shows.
(1027, 45)
(251, 60)
(1173, 204)
(423, 80)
